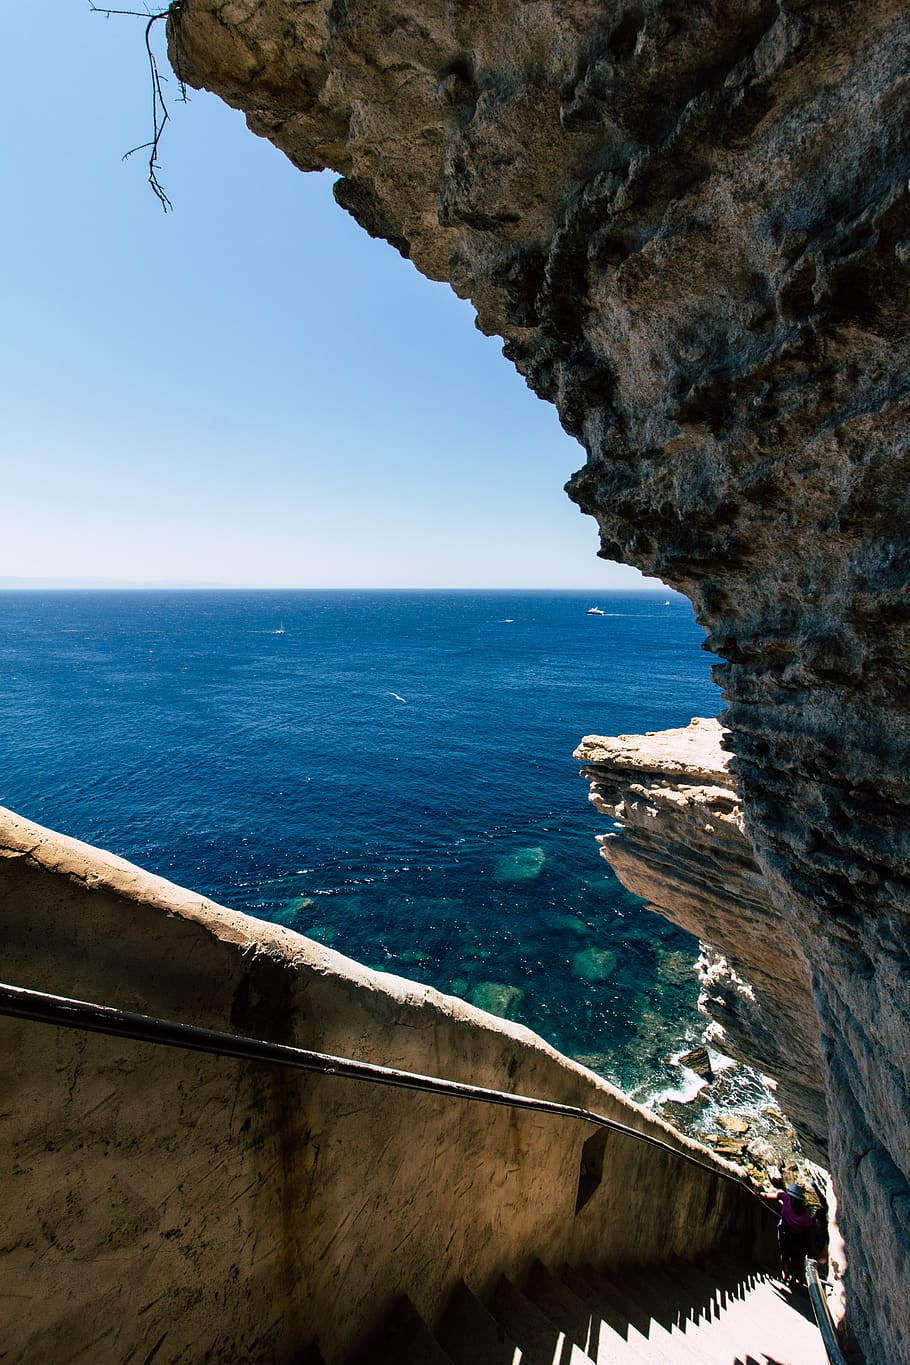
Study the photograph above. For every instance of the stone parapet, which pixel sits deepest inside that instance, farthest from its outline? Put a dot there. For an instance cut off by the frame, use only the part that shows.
(184, 1206)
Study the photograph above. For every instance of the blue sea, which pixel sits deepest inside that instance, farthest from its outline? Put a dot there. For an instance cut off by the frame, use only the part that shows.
(390, 773)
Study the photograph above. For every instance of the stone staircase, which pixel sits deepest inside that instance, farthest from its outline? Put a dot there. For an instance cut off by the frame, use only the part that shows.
(676, 1313)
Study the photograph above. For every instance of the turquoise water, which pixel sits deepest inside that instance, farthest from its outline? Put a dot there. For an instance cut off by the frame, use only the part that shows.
(390, 773)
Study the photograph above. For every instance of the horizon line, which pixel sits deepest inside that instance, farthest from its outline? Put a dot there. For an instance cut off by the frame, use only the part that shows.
(53, 585)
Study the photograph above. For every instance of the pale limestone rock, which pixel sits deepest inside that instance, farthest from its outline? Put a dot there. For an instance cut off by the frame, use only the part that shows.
(734, 1123)
(683, 848)
(693, 750)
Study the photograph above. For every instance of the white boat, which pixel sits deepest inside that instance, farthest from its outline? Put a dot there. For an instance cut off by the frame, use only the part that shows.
(595, 611)
(280, 630)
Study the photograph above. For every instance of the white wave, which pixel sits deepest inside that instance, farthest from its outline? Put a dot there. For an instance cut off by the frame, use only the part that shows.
(720, 1062)
(688, 1088)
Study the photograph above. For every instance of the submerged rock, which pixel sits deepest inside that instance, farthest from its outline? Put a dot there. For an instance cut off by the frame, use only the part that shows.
(600, 1062)
(675, 967)
(523, 865)
(327, 933)
(570, 924)
(496, 998)
(594, 964)
(681, 1113)
(292, 913)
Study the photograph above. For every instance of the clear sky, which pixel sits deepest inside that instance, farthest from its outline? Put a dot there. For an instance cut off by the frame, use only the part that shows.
(247, 391)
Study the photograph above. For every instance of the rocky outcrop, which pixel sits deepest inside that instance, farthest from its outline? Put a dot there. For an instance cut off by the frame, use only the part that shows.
(690, 223)
(680, 844)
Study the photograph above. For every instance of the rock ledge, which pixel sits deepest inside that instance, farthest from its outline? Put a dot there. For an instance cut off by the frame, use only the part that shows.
(680, 844)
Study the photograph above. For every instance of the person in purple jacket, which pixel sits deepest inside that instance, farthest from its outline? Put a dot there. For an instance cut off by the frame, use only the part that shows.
(796, 1233)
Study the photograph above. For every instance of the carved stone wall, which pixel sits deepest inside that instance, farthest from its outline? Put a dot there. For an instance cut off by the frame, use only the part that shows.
(175, 1205)
(690, 222)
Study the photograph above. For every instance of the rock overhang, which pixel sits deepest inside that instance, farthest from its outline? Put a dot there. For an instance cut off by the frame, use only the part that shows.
(690, 224)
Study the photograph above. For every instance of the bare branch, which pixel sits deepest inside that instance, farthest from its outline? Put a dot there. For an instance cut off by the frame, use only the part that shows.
(160, 113)
(134, 13)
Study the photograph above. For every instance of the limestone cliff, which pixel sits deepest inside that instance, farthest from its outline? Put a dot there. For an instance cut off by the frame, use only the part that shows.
(690, 222)
(681, 846)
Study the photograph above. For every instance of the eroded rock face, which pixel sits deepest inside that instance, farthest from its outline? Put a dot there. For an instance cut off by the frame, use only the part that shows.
(681, 845)
(690, 222)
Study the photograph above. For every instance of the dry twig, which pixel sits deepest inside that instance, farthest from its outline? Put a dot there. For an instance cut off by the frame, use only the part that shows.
(160, 112)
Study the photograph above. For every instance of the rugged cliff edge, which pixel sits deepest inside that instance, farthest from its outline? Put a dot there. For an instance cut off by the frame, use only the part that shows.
(681, 846)
(690, 222)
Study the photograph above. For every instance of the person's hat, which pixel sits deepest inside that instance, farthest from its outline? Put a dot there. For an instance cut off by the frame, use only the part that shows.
(796, 1192)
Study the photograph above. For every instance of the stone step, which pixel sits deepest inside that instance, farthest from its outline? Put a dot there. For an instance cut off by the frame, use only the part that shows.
(751, 1317)
(769, 1322)
(689, 1297)
(540, 1340)
(680, 1304)
(403, 1338)
(311, 1355)
(558, 1304)
(686, 1320)
(708, 1295)
(731, 1281)
(645, 1334)
(470, 1335)
(590, 1333)
(636, 1318)
(673, 1314)
(610, 1312)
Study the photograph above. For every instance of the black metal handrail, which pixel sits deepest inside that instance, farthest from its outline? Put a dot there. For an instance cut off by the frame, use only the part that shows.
(21, 1003)
(823, 1313)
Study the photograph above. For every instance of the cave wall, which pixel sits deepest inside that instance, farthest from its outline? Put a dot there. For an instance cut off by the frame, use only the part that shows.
(689, 220)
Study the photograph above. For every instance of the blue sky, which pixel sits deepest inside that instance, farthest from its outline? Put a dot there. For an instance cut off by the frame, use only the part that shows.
(247, 391)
